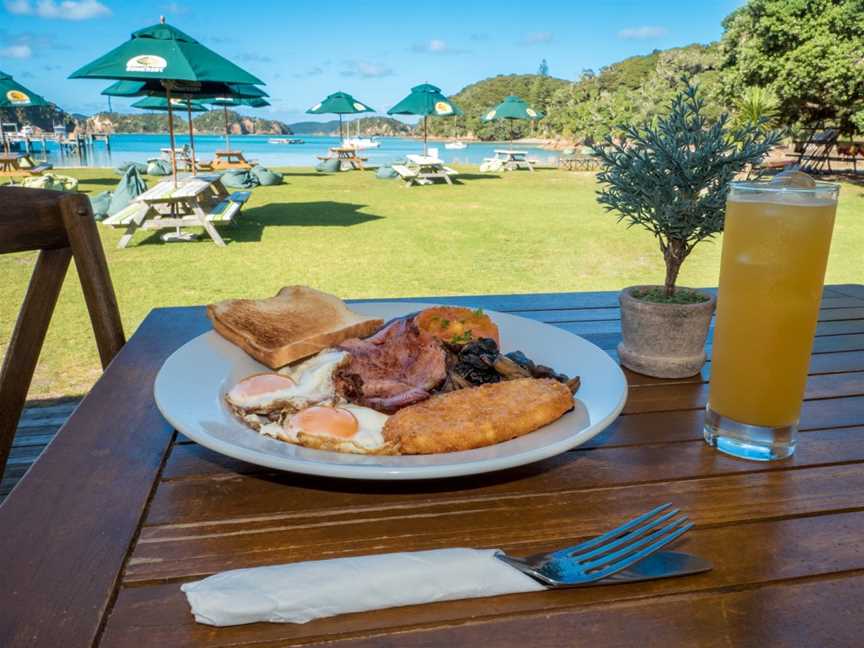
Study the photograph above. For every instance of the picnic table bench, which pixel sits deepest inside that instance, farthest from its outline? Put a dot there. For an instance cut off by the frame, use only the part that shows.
(347, 156)
(13, 165)
(229, 160)
(120, 510)
(424, 169)
(197, 201)
(513, 160)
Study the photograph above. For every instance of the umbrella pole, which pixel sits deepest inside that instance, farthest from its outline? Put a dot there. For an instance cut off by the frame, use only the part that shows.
(425, 135)
(191, 133)
(171, 134)
(341, 139)
(227, 135)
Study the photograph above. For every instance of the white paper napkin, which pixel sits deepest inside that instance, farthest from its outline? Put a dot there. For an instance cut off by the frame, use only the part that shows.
(300, 592)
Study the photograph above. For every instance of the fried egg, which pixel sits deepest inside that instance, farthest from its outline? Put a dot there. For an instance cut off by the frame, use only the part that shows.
(300, 405)
(292, 389)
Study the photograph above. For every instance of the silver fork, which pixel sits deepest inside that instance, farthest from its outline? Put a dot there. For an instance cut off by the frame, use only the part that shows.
(607, 554)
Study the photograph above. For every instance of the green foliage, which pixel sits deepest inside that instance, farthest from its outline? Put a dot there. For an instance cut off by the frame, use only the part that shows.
(214, 122)
(43, 117)
(671, 175)
(368, 126)
(757, 106)
(476, 99)
(633, 90)
(142, 122)
(806, 52)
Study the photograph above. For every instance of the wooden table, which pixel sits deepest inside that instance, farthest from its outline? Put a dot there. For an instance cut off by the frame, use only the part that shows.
(120, 510)
(230, 160)
(186, 205)
(346, 154)
(20, 164)
(425, 169)
(513, 159)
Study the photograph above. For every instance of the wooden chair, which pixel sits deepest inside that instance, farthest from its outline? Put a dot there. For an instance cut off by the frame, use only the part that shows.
(61, 226)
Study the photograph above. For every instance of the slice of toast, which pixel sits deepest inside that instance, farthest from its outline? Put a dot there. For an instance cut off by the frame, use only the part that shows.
(298, 322)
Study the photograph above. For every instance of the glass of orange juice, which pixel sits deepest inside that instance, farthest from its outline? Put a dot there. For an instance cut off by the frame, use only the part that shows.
(775, 249)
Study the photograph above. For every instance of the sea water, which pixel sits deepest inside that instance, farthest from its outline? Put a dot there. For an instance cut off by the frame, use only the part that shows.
(140, 148)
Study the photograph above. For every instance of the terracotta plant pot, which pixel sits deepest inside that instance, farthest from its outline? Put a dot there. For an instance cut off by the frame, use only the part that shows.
(663, 340)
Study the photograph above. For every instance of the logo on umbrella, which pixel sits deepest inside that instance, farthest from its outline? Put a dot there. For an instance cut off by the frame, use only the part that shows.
(531, 112)
(17, 97)
(443, 108)
(357, 106)
(146, 63)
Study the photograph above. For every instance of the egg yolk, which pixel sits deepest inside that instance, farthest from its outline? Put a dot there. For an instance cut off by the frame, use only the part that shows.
(326, 421)
(260, 384)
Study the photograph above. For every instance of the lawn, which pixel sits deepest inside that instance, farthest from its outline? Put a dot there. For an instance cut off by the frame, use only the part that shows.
(357, 236)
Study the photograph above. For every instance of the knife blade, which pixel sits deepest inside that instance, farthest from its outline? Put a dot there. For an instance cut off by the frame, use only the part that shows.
(663, 564)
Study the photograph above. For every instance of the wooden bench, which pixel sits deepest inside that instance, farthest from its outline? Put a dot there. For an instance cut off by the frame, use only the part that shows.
(132, 212)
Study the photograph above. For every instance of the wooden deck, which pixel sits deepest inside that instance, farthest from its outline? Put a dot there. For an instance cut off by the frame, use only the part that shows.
(38, 425)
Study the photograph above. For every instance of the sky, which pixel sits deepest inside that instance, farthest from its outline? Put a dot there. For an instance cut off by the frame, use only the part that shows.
(376, 50)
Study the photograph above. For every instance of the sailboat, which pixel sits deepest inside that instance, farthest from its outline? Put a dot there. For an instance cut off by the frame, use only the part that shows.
(456, 144)
(361, 143)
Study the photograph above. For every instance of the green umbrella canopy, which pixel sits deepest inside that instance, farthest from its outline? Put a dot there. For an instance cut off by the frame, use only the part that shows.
(164, 52)
(161, 103)
(512, 108)
(339, 103)
(187, 90)
(229, 102)
(425, 100)
(14, 95)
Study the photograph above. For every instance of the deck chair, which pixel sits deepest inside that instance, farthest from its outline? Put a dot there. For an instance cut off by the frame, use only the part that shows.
(61, 227)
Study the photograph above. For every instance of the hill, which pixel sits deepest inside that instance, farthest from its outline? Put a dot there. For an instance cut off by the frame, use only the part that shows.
(379, 126)
(157, 122)
(476, 99)
(214, 122)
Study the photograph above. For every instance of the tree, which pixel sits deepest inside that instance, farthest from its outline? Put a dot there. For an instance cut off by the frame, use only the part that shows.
(672, 178)
(756, 106)
(543, 70)
(808, 53)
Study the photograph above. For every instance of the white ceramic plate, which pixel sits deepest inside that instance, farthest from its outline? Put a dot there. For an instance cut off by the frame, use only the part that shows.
(190, 387)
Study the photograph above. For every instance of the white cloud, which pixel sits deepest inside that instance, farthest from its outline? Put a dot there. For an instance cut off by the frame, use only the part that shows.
(642, 33)
(537, 38)
(436, 46)
(20, 51)
(366, 70)
(63, 10)
(18, 7)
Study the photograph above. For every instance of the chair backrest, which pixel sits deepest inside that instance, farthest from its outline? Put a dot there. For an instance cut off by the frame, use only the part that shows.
(61, 227)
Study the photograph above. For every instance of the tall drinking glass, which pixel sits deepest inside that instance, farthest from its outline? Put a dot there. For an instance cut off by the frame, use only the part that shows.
(775, 249)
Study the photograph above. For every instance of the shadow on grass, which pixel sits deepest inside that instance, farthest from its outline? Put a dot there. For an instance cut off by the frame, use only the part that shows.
(251, 223)
(104, 182)
(477, 176)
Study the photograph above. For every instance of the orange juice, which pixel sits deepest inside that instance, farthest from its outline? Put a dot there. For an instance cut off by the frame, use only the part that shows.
(775, 249)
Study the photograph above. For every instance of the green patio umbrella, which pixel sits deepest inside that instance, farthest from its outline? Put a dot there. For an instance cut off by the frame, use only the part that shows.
(425, 100)
(204, 90)
(339, 103)
(161, 103)
(225, 102)
(165, 54)
(13, 95)
(512, 108)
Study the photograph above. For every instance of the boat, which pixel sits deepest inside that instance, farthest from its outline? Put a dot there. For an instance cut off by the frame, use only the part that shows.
(455, 145)
(284, 140)
(361, 143)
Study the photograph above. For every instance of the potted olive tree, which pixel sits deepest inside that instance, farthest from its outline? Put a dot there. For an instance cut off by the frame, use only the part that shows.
(671, 177)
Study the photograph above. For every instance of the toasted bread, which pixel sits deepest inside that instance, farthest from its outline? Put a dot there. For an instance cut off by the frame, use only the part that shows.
(298, 322)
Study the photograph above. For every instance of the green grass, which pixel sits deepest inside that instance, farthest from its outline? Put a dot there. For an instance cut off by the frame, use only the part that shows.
(357, 236)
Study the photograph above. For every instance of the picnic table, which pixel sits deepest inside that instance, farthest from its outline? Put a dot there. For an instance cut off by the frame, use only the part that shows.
(196, 201)
(513, 159)
(424, 169)
(120, 510)
(346, 155)
(20, 164)
(230, 160)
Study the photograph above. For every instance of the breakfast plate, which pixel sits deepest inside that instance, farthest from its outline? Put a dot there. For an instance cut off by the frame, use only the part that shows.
(191, 386)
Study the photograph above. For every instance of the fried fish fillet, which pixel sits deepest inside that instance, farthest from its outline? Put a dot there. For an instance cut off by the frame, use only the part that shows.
(477, 417)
